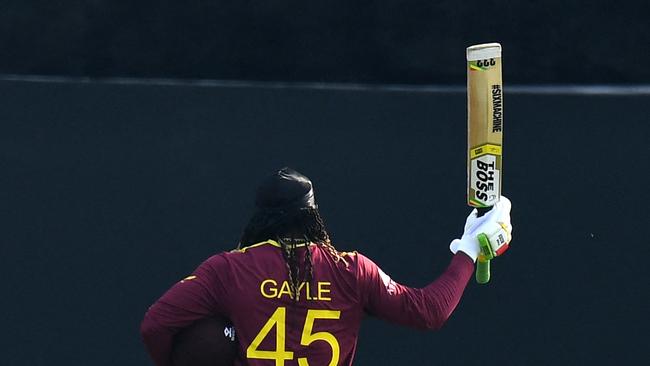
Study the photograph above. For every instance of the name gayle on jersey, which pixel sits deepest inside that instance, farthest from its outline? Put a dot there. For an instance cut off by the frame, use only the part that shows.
(271, 289)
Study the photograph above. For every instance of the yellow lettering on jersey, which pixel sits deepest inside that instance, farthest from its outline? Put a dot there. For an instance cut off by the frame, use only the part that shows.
(285, 290)
(305, 285)
(323, 288)
(269, 289)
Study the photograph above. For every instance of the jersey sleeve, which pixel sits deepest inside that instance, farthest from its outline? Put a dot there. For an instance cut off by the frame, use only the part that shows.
(197, 296)
(422, 308)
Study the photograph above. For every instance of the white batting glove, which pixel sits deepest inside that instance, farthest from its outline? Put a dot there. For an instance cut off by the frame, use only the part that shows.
(495, 224)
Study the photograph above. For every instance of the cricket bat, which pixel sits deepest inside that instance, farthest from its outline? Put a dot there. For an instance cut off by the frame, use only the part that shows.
(484, 138)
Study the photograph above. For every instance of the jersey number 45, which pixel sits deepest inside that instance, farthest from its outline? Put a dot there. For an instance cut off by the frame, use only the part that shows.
(280, 354)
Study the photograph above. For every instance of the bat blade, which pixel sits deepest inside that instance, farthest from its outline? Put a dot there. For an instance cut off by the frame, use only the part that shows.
(484, 124)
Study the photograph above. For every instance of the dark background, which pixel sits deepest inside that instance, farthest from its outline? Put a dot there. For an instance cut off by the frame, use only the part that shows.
(111, 192)
(402, 41)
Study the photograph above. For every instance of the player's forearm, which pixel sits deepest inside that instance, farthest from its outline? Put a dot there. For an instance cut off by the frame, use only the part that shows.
(157, 340)
(423, 308)
(443, 295)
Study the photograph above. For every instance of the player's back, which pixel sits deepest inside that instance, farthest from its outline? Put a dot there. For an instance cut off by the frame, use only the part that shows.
(321, 327)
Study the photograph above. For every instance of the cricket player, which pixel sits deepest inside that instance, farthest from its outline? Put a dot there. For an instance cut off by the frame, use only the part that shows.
(293, 298)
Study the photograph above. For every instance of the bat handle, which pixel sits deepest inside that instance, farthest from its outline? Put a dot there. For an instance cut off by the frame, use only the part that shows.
(483, 263)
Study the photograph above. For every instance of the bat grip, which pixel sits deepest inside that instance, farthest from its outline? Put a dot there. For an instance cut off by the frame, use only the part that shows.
(483, 264)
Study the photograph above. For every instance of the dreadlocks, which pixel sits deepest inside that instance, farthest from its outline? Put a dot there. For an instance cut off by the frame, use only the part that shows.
(287, 212)
(291, 232)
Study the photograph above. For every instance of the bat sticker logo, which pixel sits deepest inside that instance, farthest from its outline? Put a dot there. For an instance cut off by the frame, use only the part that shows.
(482, 65)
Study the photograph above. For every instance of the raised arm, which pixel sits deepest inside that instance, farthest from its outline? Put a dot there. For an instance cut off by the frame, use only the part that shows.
(422, 308)
(431, 306)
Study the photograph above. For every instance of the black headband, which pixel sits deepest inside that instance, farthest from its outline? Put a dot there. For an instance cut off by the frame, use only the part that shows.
(285, 191)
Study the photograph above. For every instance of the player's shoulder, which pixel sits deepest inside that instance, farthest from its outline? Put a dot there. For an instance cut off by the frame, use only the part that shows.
(349, 260)
(229, 257)
(359, 261)
(267, 250)
(215, 262)
(353, 255)
(254, 247)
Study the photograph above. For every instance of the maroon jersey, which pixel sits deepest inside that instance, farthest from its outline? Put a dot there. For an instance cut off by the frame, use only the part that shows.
(251, 288)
